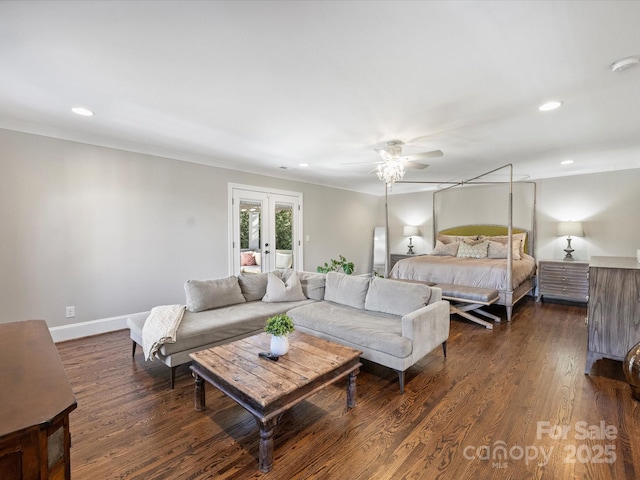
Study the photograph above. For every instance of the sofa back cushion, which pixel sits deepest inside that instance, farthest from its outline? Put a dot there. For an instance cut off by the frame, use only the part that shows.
(346, 289)
(253, 285)
(208, 294)
(313, 284)
(395, 297)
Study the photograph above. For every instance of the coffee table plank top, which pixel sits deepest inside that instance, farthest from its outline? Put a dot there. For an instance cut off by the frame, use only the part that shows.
(265, 386)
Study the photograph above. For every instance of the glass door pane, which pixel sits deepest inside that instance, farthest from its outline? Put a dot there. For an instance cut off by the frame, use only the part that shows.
(250, 221)
(284, 237)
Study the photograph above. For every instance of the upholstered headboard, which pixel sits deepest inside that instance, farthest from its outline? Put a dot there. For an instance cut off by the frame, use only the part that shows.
(487, 230)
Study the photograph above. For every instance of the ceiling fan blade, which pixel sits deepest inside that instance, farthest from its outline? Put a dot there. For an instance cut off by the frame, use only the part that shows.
(415, 165)
(360, 163)
(424, 155)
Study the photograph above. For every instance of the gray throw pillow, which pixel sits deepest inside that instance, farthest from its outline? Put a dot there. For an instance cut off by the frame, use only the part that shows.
(346, 289)
(207, 294)
(313, 284)
(253, 285)
(396, 298)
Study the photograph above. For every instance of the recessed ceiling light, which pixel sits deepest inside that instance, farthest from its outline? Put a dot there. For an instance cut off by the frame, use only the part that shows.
(566, 162)
(624, 64)
(303, 165)
(85, 112)
(552, 105)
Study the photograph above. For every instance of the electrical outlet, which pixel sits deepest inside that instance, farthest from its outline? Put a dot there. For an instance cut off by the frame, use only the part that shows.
(71, 312)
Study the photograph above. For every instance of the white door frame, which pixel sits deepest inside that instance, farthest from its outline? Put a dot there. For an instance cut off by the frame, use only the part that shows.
(272, 195)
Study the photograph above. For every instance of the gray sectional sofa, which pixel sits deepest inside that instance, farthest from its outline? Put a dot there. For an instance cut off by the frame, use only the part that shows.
(393, 323)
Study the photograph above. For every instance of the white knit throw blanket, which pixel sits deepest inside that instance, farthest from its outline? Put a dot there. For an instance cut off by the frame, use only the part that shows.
(160, 328)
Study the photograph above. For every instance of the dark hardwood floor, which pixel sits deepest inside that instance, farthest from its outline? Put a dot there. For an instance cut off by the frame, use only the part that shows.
(508, 403)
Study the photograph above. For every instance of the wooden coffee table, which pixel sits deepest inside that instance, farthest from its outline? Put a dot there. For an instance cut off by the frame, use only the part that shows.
(266, 388)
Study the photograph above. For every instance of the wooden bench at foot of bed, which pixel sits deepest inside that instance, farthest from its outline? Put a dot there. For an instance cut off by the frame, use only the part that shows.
(470, 299)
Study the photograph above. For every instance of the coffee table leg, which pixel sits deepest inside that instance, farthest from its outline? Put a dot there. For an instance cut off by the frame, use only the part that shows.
(351, 388)
(199, 393)
(265, 460)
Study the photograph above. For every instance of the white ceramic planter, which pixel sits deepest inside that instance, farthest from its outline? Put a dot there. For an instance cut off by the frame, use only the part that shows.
(279, 345)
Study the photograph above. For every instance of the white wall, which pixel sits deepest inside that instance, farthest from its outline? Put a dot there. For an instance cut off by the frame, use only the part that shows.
(113, 232)
(607, 203)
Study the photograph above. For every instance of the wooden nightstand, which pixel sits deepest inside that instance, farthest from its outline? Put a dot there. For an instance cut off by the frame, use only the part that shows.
(564, 280)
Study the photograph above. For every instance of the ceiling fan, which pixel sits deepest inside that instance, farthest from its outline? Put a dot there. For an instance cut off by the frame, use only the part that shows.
(391, 151)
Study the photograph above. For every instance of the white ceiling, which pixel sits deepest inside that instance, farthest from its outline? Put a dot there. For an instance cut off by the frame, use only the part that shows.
(257, 86)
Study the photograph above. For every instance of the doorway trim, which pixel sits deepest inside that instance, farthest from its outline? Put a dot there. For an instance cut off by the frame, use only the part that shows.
(298, 225)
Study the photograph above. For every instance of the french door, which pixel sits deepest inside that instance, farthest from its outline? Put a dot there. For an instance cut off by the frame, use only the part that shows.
(266, 229)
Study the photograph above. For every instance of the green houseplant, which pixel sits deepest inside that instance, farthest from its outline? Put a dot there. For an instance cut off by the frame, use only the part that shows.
(336, 266)
(279, 326)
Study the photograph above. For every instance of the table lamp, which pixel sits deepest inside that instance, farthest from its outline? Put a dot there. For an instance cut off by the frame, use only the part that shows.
(410, 231)
(570, 229)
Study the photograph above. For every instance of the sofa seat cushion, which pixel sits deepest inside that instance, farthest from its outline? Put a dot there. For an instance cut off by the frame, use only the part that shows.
(369, 330)
(217, 325)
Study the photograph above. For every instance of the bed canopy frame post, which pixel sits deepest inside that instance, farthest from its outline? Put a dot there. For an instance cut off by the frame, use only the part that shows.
(509, 292)
(387, 256)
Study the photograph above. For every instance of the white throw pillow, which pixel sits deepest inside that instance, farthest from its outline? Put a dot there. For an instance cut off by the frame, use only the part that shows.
(284, 260)
(279, 291)
(478, 250)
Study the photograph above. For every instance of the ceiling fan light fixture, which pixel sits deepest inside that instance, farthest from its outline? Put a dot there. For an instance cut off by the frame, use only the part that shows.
(391, 171)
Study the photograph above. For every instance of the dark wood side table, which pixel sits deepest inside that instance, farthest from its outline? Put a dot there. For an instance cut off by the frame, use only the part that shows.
(613, 322)
(35, 402)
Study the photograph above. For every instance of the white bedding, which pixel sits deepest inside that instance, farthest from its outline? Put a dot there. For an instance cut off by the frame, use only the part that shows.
(472, 272)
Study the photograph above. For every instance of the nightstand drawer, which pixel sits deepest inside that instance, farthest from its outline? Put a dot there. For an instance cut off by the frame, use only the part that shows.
(567, 280)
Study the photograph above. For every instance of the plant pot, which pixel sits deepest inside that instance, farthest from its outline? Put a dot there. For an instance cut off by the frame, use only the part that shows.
(631, 367)
(279, 345)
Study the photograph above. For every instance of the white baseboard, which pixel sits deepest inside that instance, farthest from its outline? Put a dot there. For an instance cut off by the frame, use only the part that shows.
(86, 329)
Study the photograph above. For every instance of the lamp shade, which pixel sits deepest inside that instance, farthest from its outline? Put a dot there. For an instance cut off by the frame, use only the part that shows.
(410, 231)
(570, 229)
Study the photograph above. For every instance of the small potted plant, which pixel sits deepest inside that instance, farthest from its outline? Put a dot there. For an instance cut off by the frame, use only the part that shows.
(279, 326)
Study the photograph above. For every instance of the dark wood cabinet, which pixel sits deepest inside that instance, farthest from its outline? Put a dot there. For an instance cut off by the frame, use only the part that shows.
(613, 309)
(35, 402)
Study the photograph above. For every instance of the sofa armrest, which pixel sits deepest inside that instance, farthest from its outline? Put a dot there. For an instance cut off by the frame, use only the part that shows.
(427, 327)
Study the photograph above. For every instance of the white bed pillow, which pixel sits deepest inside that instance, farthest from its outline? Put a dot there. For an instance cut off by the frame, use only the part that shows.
(520, 237)
(499, 250)
(445, 249)
(446, 239)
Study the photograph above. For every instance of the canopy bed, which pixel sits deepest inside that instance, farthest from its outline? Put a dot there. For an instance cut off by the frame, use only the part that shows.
(488, 255)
